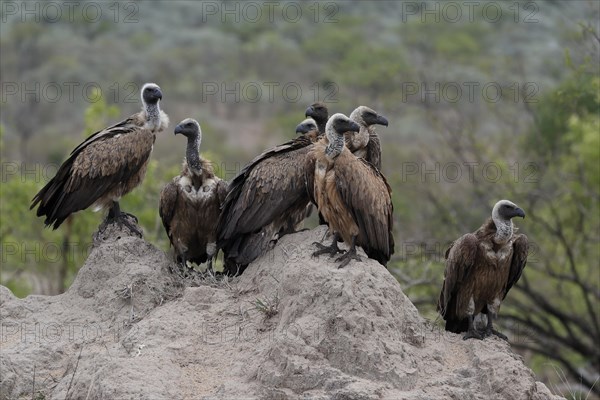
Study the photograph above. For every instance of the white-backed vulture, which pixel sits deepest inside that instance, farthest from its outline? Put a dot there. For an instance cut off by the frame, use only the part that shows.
(105, 167)
(319, 113)
(481, 267)
(352, 195)
(366, 143)
(262, 200)
(191, 203)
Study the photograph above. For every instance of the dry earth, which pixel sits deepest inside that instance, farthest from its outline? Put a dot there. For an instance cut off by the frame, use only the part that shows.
(292, 327)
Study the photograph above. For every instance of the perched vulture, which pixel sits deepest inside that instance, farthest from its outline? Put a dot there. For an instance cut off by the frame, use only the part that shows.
(265, 199)
(105, 167)
(190, 203)
(319, 113)
(481, 267)
(366, 143)
(352, 195)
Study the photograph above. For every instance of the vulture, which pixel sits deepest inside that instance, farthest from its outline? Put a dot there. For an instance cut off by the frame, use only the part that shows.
(366, 143)
(352, 195)
(267, 198)
(319, 113)
(481, 267)
(106, 166)
(191, 203)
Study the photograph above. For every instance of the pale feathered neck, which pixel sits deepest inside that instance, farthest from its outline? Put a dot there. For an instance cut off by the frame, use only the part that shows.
(153, 116)
(336, 142)
(192, 154)
(504, 228)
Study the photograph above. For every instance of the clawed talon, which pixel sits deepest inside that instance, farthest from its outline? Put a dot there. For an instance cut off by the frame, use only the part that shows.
(346, 258)
(473, 334)
(332, 250)
(130, 215)
(490, 332)
(122, 220)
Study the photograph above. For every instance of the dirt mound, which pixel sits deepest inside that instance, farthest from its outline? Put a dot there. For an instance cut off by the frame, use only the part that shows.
(291, 327)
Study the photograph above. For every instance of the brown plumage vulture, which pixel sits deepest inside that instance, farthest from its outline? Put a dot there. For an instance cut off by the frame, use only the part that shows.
(352, 195)
(481, 267)
(365, 144)
(264, 200)
(106, 166)
(191, 203)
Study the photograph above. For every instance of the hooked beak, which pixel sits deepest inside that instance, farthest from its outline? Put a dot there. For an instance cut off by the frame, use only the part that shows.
(520, 213)
(381, 120)
(178, 129)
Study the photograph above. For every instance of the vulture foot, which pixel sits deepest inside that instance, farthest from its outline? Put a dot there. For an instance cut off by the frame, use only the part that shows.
(123, 220)
(115, 215)
(473, 334)
(331, 250)
(346, 258)
(490, 332)
(130, 216)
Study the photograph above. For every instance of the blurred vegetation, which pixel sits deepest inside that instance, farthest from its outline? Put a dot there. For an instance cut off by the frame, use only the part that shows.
(448, 155)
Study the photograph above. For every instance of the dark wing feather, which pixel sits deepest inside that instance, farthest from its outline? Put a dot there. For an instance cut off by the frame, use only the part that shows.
(119, 128)
(374, 150)
(519, 259)
(268, 186)
(460, 259)
(367, 195)
(167, 205)
(105, 160)
(222, 187)
(309, 175)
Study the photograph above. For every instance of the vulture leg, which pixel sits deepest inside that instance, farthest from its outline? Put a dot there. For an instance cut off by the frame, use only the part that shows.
(209, 267)
(331, 250)
(472, 332)
(181, 262)
(122, 219)
(489, 330)
(350, 254)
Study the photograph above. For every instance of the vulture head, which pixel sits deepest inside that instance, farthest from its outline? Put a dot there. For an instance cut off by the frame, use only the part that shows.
(189, 128)
(504, 210)
(151, 93)
(337, 125)
(306, 126)
(367, 117)
(319, 112)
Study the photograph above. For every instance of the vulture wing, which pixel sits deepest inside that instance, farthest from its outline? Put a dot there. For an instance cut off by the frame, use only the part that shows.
(374, 150)
(460, 259)
(519, 259)
(264, 190)
(367, 194)
(168, 203)
(97, 166)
